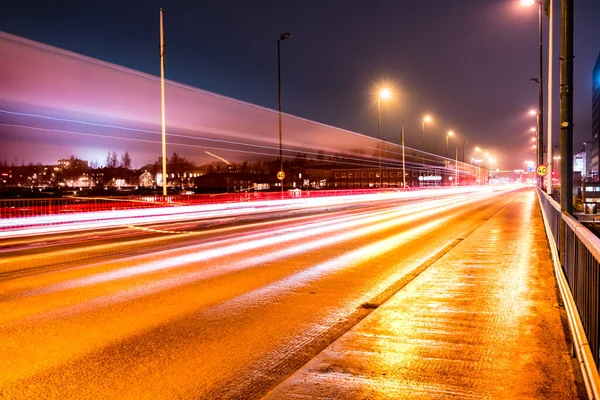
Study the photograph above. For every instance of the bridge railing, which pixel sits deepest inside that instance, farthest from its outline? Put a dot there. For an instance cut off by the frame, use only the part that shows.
(578, 276)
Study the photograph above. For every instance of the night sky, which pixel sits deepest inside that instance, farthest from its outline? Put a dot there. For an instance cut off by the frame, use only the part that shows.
(466, 62)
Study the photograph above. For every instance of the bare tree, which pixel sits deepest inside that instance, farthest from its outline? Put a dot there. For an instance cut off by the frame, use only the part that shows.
(126, 160)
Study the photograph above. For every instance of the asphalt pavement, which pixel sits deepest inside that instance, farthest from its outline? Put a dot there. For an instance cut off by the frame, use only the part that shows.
(236, 310)
(483, 321)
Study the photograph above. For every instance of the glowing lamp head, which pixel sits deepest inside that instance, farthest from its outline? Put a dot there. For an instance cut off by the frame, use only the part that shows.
(477, 149)
(427, 118)
(385, 93)
(533, 112)
(527, 3)
(532, 129)
(450, 133)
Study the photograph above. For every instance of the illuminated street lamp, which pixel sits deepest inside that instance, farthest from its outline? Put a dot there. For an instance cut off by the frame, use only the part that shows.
(463, 157)
(539, 151)
(282, 37)
(426, 119)
(385, 94)
(450, 133)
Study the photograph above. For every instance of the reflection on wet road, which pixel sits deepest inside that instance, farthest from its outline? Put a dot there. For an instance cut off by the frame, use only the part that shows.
(222, 312)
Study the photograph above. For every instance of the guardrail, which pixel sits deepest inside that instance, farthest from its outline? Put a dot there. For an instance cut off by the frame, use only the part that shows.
(579, 283)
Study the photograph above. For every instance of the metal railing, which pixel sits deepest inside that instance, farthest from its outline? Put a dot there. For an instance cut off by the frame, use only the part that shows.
(578, 277)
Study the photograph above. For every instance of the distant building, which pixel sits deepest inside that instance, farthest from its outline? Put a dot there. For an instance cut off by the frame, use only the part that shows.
(579, 163)
(73, 163)
(595, 119)
(228, 182)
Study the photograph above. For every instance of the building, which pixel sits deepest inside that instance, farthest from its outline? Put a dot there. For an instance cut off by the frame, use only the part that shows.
(595, 120)
(73, 163)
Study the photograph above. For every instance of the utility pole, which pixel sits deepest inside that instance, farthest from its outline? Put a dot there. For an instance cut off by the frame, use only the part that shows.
(566, 117)
(456, 168)
(540, 145)
(550, 79)
(282, 37)
(162, 105)
(403, 162)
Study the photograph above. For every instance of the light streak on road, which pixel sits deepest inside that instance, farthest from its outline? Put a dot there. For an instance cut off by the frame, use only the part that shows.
(105, 219)
(311, 236)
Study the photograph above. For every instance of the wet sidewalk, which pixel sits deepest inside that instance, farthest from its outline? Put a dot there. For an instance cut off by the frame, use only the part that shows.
(482, 322)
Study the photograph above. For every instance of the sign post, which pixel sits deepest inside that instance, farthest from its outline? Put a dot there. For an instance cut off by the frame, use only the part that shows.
(542, 170)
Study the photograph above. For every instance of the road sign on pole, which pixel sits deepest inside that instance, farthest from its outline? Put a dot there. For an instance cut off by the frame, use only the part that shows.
(281, 175)
(542, 170)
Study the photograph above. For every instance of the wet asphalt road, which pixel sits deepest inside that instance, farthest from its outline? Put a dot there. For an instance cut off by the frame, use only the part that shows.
(210, 312)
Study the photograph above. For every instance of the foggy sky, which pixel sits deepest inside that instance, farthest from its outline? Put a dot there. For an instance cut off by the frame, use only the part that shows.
(465, 62)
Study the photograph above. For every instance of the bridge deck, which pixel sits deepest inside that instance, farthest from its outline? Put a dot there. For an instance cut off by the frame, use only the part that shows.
(483, 321)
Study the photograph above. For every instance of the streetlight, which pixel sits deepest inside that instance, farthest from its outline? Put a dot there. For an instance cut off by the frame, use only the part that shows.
(384, 93)
(450, 133)
(463, 157)
(477, 162)
(540, 150)
(426, 119)
(539, 81)
(283, 36)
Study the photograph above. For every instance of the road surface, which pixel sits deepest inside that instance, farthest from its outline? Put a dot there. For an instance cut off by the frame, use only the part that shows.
(224, 309)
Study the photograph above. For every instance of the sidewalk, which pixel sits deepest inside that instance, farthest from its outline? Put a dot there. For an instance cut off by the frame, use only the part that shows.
(481, 322)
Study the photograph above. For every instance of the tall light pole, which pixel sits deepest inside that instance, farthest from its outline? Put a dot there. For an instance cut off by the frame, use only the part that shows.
(283, 36)
(550, 75)
(427, 118)
(162, 105)
(383, 94)
(463, 158)
(450, 133)
(475, 150)
(403, 162)
(539, 140)
(540, 82)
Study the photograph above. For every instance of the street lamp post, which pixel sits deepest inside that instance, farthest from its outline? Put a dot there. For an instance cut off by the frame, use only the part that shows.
(463, 157)
(383, 94)
(539, 141)
(403, 162)
(450, 133)
(539, 81)
(427, 118)
(283, 36)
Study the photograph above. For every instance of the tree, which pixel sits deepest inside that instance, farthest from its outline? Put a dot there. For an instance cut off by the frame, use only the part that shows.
(126, 160)
(111, 160)
(114, 163)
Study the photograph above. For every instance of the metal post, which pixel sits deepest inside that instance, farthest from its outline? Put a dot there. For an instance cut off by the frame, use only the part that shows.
(423, 143)
(447, 138)
(541, 97)
(279, 99)
(456, 167)
(463, 158)
(403, 162)
(566, 117)
(379, 134)
(283, 36)
(550, 78)
(162, 104)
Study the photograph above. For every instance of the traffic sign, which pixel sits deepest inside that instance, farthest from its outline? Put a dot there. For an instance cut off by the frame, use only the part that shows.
(281, 175)
(542, 170)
